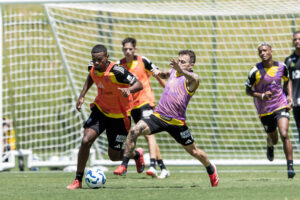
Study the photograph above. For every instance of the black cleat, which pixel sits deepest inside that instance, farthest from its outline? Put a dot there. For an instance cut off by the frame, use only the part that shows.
(270, 153)
(291, 173)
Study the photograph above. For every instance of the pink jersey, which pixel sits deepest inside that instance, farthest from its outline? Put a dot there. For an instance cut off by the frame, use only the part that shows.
(273, 84)
(175, 98)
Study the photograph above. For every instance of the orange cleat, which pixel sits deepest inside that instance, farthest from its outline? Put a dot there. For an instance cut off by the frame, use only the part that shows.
(214, 178)
(140, 162)
(75, 185)
(121, 170)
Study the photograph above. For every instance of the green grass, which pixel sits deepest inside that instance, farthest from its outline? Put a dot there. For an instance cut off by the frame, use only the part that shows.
(248, 182)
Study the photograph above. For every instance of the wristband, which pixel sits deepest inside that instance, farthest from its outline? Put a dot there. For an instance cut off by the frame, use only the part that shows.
(262, 96)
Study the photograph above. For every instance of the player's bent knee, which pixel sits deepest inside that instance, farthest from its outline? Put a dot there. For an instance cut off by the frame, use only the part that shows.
(86, 141)
(284, 137)
(114, 156)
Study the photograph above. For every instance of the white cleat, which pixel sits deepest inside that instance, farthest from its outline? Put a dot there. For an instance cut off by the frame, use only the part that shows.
(164, 174)
(151, 172)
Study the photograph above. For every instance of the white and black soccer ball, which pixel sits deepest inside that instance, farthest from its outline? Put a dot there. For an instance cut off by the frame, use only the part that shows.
(95, 178)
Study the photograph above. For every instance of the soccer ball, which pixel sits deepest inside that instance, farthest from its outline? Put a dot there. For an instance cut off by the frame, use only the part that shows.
(95, 178)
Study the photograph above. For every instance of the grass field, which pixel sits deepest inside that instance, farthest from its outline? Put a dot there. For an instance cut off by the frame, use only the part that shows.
(242, 183)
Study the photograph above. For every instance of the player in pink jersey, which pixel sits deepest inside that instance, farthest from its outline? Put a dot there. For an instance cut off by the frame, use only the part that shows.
(169, 114)
(264, 85)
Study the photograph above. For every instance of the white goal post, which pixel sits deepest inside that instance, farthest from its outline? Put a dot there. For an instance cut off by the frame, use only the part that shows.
(46, 48)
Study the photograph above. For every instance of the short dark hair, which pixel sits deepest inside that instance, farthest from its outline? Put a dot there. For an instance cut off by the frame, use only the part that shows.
(129, 40)
(296, 32)
(190, 53)
(264, 44)
(99, 48)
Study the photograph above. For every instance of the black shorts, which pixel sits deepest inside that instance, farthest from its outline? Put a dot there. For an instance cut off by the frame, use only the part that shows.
(180, 133)
(270, 121)
(143, 112)
(116, 132)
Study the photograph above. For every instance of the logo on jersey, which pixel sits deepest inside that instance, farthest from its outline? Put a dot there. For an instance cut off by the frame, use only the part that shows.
(292, 64)
(118, 146)
(120, 138)
(119, 69)
(100, 85)
(273, 82)
(185, 134)
(129, 78)
(188, 141)
(296, 74)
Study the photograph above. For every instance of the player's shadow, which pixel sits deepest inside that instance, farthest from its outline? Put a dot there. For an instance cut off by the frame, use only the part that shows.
(152, 187)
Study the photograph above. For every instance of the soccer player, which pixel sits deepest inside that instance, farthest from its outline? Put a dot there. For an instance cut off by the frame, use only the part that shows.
(9, 139)
(293, 64)
(143, 101)
(169, 115)
(264, 85)
(109, 110)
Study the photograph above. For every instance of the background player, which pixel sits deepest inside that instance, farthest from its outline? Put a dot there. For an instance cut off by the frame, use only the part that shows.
(144, 100)
(264, 85)
(293, 64)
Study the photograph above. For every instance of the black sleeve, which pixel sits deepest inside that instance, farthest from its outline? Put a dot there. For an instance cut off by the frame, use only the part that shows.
(148, 64)
(286, 72)
(90, 65)
(123, 75)
(251, 77)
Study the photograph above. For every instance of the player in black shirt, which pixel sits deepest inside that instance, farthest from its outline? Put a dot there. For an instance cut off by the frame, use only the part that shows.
(293, 64)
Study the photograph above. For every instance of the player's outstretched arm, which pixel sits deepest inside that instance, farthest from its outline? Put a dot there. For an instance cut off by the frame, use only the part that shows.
(160, 74)
(88, 83)
(161, 81)
(192, 79)
(135, 87)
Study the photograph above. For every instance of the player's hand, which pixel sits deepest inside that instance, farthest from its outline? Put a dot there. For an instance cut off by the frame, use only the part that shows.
(175, 64)
(155, 73)
(79, 103)
(125, 91)
(267, 96)
(290, 102)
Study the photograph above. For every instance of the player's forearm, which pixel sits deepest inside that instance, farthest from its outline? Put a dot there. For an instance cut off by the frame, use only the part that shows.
(164, 75)
(253, 93)
(87, 85)
(161, 82)
(137, 86)
(289, 88)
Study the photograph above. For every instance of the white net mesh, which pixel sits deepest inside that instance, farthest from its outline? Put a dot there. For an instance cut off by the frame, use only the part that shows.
(224, 34)
(37, 96)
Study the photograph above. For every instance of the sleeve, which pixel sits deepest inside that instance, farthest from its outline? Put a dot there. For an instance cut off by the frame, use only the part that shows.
(90, 65)
(148, 64)
(251, 77)
(123, 75)
(285, 76)
(286, 61)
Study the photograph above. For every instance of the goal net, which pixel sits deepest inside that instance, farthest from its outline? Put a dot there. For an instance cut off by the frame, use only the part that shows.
(46, 51)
